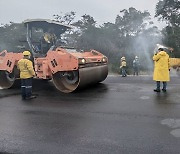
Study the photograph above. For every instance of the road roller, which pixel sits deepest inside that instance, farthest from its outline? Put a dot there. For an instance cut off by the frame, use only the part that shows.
(68, 68)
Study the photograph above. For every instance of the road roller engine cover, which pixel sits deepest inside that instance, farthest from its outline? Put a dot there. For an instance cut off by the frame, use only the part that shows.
(68, 68)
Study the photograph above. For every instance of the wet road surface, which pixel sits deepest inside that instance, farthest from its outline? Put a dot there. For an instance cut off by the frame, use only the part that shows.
(120, 115)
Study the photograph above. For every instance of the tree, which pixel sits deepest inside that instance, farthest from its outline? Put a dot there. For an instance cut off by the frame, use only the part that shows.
(137, 35)
(131, 21)
(67, 18)
(169, 11)
(86, 22)
(83, 32)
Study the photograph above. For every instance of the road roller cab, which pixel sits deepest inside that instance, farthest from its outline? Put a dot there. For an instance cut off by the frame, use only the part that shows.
(68, 68)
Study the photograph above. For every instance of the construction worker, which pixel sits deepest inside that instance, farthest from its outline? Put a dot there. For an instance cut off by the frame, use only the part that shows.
(136, 65)
(161, 69)
(49, 38)
(47, 41)
(123, 66)
(26, 74)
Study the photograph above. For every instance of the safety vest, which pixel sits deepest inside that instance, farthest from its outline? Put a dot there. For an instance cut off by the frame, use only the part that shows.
(26, 69)
(123, 63)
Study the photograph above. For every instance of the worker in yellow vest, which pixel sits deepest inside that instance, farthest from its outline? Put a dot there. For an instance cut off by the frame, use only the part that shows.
(26, 74)
(123, 66)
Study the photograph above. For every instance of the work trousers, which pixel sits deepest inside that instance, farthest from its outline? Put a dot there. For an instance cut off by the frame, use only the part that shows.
(26, 87)
(123, 70)
(136, 71)
(159, 85)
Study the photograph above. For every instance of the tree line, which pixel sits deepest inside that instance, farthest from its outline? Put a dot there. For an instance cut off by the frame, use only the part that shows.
(132, 34)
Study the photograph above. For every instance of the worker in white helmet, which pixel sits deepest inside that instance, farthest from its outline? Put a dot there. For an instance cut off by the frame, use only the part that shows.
(26, 74)
(136, 65)
(123, 66)
(161, 69)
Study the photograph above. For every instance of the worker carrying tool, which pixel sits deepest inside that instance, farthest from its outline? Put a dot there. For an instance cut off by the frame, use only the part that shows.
(161, 69)
(123, 66)
(26, 74)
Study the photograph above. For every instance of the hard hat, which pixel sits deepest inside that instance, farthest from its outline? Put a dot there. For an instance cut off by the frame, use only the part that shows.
(161, 49)
(26, 53)
(136, 57)
(123, 58)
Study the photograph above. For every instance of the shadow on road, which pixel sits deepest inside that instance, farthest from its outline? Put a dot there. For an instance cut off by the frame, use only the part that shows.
(46, 88)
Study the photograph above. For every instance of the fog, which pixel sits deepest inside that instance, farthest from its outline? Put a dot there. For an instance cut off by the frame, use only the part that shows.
(102, 11)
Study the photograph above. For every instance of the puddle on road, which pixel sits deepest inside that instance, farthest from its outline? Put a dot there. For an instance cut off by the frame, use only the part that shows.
(172, 123)
(144, 97)
(178, 95)
(175, 133)
(113, 89)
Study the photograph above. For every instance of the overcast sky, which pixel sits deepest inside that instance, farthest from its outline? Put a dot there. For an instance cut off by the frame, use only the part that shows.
(101, 10)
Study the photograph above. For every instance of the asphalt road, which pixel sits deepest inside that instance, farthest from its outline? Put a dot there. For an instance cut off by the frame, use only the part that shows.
(120, 115)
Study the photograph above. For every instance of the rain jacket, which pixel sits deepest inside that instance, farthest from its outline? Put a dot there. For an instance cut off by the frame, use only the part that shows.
(26, 69)
(161, 66)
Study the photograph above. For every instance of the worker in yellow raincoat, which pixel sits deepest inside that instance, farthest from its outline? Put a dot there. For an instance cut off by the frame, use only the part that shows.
(161, 69)
(26, 74)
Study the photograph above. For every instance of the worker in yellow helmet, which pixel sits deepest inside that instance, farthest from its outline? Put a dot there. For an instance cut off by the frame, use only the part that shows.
(26, 74)
(123, 66)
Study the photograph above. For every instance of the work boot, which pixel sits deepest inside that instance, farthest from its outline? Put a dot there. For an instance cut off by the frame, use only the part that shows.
(35, 95)
(23, 98)
(157, 90)
(164, 90)
(30, 97)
